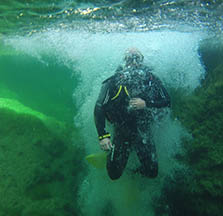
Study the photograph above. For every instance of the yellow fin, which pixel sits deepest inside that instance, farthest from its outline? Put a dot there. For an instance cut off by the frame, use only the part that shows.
(97, 160)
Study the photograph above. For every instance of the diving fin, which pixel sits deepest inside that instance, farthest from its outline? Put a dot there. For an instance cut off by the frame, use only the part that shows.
(97, 160)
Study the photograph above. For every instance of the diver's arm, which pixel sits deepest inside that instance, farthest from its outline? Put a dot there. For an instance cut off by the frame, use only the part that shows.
(99, 112)
(99, 117)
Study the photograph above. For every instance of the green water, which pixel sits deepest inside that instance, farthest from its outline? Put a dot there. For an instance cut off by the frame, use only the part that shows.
(47, 88)
(54, 56)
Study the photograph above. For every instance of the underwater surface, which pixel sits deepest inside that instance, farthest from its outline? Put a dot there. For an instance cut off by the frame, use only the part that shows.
(54, 55)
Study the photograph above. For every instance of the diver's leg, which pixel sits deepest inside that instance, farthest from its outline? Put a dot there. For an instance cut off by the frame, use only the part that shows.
(146, 152)
(118, 157)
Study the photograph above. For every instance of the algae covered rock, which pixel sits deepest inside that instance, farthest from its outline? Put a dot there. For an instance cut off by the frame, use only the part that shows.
(40, 163)
(199, 190)
(211, 52)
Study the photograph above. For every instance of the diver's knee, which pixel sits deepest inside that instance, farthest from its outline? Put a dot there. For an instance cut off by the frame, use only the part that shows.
(114, 175)
(114, 172)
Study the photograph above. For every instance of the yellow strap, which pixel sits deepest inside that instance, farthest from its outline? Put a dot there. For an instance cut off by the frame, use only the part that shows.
(104, 136)
(126, 91)
(120, 88)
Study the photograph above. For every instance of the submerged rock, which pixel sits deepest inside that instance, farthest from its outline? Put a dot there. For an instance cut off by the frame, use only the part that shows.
(211, 52)
(199, 190)
(40, 163)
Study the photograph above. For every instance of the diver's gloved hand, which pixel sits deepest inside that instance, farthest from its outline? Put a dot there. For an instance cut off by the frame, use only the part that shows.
(137, 103)
(106, 144)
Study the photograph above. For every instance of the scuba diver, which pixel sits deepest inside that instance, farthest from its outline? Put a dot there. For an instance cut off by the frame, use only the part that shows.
(126, 100)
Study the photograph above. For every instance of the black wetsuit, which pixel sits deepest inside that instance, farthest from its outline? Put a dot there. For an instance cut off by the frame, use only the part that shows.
(131, 127)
